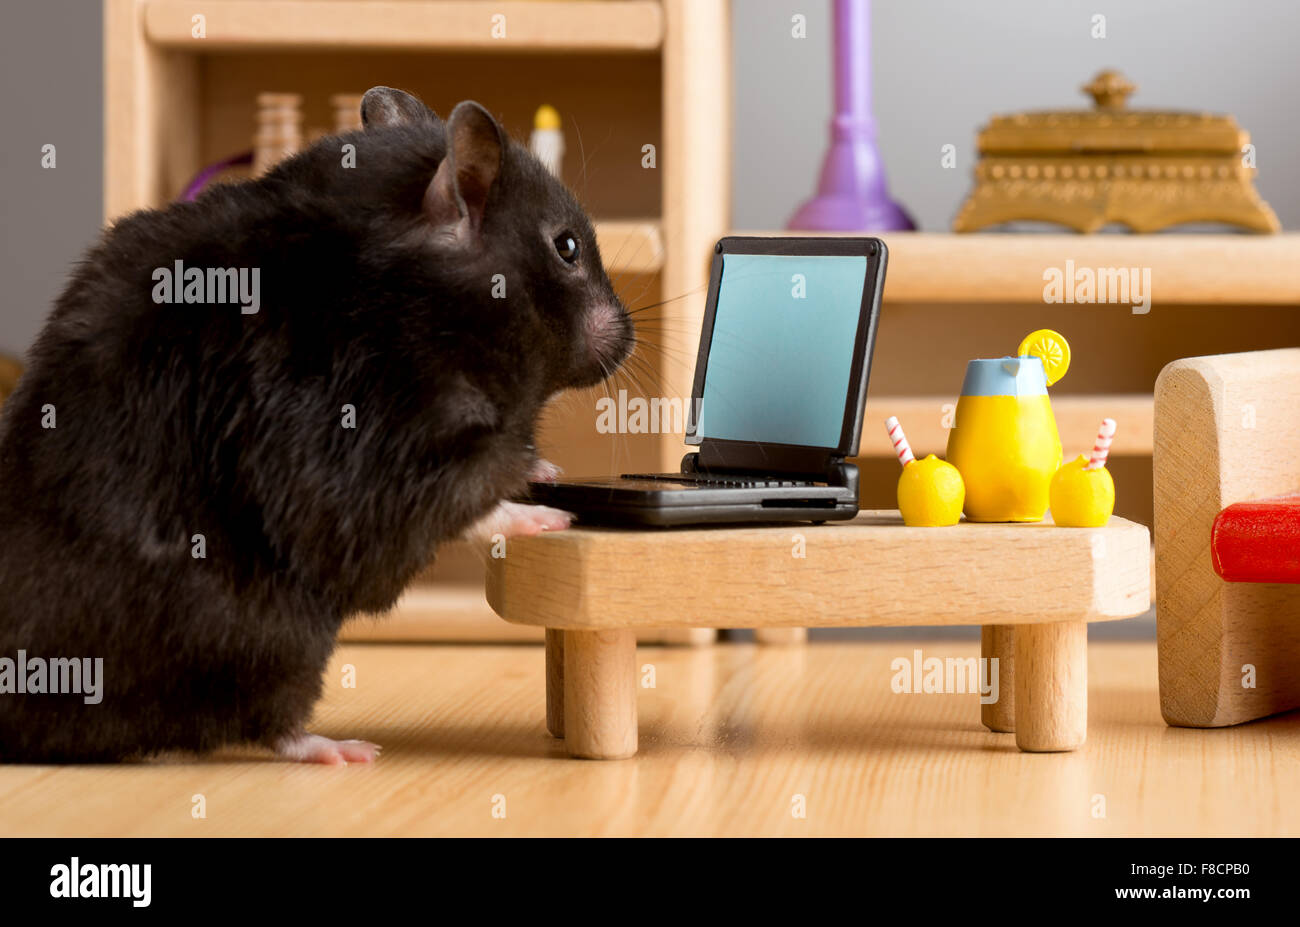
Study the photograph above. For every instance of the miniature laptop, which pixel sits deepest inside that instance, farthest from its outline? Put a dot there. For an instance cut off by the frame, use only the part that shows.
(780, 384)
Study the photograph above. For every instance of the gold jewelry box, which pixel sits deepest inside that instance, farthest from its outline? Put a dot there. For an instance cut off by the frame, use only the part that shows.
(1147, 169)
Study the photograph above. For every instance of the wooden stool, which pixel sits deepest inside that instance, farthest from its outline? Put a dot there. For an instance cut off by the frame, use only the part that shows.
(1033, 587)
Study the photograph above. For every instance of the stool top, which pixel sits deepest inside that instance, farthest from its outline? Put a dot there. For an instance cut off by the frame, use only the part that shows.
(871, 571)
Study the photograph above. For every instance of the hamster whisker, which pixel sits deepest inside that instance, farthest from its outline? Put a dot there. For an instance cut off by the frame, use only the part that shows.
(630, 375)
(647, 280)
(667, 327)
(582, 156)
(667, 351)
(664, 302)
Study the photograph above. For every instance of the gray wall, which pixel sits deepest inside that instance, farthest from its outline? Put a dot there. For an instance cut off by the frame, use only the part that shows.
(942, 67)
(51, 92)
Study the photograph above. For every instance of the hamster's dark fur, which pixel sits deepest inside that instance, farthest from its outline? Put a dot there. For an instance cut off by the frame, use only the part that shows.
(381, 289)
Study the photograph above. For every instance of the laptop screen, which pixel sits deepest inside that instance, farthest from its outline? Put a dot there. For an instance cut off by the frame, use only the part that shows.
(781, 353)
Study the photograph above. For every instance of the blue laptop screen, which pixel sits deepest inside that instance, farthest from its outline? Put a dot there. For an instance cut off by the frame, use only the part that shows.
(782, 349)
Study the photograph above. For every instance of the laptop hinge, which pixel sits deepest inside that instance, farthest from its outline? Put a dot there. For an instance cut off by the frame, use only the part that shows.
(815, 466)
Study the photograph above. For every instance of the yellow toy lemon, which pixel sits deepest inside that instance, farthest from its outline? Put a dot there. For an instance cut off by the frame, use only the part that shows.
(1051, 348)
(930, 493)
(1082, 498)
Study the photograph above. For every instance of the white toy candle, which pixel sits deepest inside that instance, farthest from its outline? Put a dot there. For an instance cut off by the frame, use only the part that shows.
(1101, 449)
(547, 140)
(901, 447)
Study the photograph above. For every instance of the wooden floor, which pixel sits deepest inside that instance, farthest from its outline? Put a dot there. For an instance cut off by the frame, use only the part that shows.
(729, 736)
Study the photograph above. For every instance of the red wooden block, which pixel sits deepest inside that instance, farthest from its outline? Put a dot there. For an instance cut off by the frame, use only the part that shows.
(1258, 542)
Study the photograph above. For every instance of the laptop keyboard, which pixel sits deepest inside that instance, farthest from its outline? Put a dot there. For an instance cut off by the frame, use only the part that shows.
(713, 479)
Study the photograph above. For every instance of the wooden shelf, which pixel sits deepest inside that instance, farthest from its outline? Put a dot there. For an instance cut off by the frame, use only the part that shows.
(630, 246)
(1077, 418)
(1234, 270)
(541, 26)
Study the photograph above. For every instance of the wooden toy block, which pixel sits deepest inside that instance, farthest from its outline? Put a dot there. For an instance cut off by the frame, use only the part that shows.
(1034, 588)
(1226, 432)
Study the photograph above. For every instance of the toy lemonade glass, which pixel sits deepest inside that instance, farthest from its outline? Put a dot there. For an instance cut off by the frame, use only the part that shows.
(1004, 440)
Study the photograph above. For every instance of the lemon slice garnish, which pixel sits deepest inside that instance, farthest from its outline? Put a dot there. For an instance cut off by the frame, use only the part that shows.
(1051, 348)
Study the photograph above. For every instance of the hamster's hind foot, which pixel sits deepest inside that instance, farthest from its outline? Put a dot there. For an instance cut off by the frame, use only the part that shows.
(313, 748)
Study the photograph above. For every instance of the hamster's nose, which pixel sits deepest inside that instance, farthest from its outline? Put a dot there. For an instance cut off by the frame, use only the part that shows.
(607, 333)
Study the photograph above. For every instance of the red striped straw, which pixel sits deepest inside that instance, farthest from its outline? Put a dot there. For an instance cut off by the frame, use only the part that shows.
(901, 447)
(1101, 449)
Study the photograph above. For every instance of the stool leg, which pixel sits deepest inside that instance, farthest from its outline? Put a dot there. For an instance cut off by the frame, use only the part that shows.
(781, 636)
(600, 694)
(998, 642)
(555, 682)
(1051, 686)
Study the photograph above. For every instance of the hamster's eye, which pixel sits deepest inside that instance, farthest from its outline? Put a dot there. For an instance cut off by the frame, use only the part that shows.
(566, 246)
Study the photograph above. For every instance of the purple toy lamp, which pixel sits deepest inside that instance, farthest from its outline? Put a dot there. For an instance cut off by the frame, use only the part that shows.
(851, 193)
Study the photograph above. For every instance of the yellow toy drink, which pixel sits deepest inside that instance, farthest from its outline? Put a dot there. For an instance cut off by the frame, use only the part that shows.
(1004, 441)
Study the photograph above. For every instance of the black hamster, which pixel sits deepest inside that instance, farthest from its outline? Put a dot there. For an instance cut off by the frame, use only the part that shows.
(254, 415)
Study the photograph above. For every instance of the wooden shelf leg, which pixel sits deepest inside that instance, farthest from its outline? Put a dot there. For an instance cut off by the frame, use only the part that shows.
(781, 636)
(1051, 682)
(555, 682)
(600, 694)
(998, 642)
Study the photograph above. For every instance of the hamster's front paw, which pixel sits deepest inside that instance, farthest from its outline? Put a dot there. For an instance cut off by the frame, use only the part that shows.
(313, 748)
(517, 520)
(543, 471)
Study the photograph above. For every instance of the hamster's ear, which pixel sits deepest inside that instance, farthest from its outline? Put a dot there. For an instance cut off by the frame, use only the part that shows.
(384, 106)
(459, 190)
